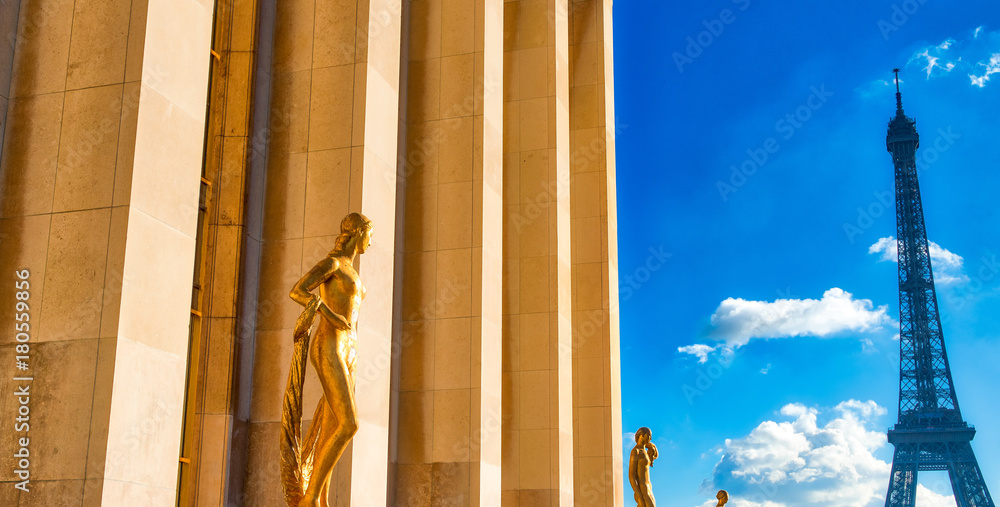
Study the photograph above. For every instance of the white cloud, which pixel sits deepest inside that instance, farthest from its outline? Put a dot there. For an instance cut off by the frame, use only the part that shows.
(765, 369)
(928, 498)
(887, 247)
(989, 68)
(947, 265)
(700, 350)
(931, 60)
(976, 56)
(796, 461)
(868, 346)
(738, 320)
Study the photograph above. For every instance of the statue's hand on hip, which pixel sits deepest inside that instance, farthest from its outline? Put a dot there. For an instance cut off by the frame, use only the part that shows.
(338, 320)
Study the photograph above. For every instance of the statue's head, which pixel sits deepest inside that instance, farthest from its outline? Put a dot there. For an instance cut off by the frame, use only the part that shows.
(643, 435)
(354, 228)
(723, 497)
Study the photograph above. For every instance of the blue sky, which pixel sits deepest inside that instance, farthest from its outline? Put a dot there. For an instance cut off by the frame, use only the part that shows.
(777, 284)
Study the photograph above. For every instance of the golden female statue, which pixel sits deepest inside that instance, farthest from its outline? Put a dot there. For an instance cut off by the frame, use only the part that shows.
(642, 457)
(306, 466)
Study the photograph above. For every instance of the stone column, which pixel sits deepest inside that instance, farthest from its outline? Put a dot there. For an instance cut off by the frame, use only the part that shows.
(101, 166)
(597, 427)
(369, 473)
(538, 439)
(214, 448)
(449, 389)
(331, 149)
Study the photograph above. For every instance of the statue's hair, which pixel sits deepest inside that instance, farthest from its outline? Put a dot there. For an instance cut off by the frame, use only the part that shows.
(642, 431)
(353, 225)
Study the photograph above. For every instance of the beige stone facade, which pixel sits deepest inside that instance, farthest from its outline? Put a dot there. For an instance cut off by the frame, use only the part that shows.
(170, 168)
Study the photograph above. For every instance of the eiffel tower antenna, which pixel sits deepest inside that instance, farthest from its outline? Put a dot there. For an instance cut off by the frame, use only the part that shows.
(899, 96)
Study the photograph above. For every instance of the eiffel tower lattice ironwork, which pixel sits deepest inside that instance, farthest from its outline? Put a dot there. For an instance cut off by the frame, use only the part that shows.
(930, 433)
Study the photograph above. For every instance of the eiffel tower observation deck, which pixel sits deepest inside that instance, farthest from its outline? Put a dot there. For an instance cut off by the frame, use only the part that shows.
(930, 433)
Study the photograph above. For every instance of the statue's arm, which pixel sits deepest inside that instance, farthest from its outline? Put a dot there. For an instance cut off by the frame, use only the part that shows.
(302, 291)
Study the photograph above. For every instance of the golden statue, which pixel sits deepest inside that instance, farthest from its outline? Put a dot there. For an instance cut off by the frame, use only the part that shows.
(642, 457)
(723, 497)
(306, 466)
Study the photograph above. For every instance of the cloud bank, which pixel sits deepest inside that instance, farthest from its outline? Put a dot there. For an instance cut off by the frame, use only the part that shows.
(737, 321)
(798, 461)
(699, 350)
(977, 55)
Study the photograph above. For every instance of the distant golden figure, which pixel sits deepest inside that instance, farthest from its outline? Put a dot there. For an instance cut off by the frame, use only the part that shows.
(723, 497)
(334, 355)
(642, 457)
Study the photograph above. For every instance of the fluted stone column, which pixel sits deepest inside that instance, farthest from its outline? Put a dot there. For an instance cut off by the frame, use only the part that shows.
(538, 430)
(449, 389)
(101, 173)
(597, 430)
(214, 440)
(332, 147)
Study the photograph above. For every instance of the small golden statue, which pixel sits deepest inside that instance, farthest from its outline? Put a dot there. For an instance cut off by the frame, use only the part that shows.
(723, 497)
(642, 457)
(306, 466)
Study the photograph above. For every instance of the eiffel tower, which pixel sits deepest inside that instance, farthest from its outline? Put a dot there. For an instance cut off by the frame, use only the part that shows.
(930, 433)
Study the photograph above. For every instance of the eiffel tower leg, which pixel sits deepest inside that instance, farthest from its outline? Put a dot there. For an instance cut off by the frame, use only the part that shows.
(903, 479)
(966, 479)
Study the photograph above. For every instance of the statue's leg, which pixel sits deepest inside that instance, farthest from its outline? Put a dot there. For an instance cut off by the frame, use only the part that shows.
(320, 420)
(323, 421)
(324, 495)
(337, 392)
